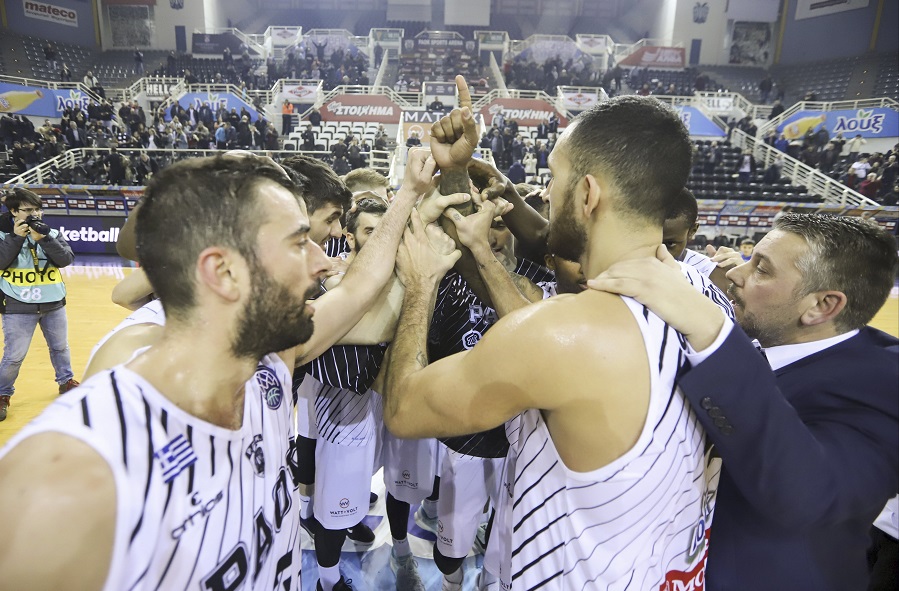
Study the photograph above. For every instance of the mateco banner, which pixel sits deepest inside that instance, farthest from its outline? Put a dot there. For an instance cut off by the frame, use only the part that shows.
(39, 102)
(51, 12)
(656, 57)
(698, 124)
(869, 123)
(528, 112)
(371, 108)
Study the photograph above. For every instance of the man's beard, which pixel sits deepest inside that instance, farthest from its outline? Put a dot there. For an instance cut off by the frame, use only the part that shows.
(768, 334)
(273, 320)
(566, 239)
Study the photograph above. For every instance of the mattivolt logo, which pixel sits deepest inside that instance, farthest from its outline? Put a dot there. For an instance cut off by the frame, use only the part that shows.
(51, 12)
(863, 121)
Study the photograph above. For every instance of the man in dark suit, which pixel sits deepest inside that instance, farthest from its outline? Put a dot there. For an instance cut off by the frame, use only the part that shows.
(809, 443)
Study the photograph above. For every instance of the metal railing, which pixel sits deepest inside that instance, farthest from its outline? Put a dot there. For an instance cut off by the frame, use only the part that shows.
(40, 175)
(817, 183)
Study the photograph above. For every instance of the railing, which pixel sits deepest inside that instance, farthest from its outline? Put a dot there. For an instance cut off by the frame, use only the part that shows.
(378, 159)
(497, 75)
(831, 191)
(512, 93)
(382, 71)
(246, 95)
(253, 42)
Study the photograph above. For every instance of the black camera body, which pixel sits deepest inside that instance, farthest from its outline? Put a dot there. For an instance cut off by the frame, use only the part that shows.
(37, 224)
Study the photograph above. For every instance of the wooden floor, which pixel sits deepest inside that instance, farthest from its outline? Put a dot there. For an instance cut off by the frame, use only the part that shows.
(91, 315)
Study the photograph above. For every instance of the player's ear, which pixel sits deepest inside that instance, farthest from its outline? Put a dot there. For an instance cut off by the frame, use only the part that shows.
(549, 261)
(220, 271)
(590, 196)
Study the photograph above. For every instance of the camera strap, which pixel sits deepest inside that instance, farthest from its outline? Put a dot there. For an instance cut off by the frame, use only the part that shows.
(33, 248)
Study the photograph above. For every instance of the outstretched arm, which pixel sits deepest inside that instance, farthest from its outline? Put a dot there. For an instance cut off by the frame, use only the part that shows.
(338, 310)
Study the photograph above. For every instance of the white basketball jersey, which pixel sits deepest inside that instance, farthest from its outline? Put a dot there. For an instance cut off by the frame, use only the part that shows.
(699, 261)
(638, 523)
(149, 313)
(198, 506)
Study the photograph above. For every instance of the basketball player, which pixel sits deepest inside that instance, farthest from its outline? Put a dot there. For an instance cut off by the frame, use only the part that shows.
(364, 180)
(151, 455)
(606, 437)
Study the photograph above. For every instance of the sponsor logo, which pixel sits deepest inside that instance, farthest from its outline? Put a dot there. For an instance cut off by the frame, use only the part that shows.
(470, 339)
(86, 234)
(345, 508)
(864, 121)
(663, 55)
(685, 581)
(271, 389)
(700, 12)
(344, 503)
(75, 99)
(341, 110)
(201, 509)
(580, 99)
(517, 114)
(50, 12)
(407, 475)
(256, 456)
(439, 527)
(301, 91)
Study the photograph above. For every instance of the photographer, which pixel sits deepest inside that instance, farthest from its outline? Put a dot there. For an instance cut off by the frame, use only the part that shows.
(33, 292)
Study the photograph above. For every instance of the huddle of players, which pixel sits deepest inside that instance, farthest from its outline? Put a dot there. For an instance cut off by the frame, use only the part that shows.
(574, 504)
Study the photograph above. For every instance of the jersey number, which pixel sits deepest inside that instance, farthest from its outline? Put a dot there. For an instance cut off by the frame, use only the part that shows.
(30, 293)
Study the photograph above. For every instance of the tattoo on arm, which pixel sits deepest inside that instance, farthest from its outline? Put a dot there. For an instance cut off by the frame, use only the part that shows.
(422, 359)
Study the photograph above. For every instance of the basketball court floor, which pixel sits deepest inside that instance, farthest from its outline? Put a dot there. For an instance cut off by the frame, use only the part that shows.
(92, 314)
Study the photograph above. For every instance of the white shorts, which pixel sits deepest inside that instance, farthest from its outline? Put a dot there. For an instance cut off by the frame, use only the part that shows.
(342, 483)
(466, 484)
(306, 393)
(410, 466)
(498, 556)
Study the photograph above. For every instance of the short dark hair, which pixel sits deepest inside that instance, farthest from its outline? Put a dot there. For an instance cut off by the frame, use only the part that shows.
(372, 206)
(640, 145)
(683, 207)
(196, 203)
(747, 241)
(847, 254)
(325, 187)
(19, 197)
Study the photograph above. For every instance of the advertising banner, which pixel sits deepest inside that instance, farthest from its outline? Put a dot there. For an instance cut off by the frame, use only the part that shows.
(215, 43)
(228, 100)
(89, 234)
(371, 108)
(157, 91)
(656, 57)
(436, 45)
(297, 93)
(869, 123)
(491, 38)
(59, 15)
(39, 102)
(527, 112)
(699, 124)
(420, 122)
(581, 100)
(812, 8)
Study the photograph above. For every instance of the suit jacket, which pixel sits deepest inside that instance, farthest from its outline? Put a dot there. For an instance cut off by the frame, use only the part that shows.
(810, 457)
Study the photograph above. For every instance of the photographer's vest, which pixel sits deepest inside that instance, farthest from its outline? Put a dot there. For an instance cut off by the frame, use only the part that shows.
(32, 278)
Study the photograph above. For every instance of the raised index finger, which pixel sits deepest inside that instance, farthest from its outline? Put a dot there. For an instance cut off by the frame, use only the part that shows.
(464, 95)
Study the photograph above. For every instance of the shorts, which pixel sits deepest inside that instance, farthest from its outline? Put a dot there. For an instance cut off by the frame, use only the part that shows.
(410, 466)
(342, 483)
(306, 394)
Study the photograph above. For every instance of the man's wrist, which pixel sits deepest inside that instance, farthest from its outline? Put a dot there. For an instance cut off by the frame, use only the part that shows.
(481, 252)
(705, 326)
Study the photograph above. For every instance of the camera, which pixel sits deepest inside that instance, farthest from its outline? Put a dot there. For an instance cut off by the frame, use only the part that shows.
(37, 224)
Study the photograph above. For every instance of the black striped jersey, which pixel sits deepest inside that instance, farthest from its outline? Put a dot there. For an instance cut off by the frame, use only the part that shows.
(460, 320)
(335, 247)
(198, 506)
(641, 522)
(699, 261)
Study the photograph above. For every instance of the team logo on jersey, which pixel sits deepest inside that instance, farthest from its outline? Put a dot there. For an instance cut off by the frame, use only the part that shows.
(470, 339)
(256, 456)
(270, 386)
(477, 313)
(175, 456)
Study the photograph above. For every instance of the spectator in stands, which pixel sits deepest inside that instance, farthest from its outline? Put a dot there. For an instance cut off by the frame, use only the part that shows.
(207, 117)
(221, 136)
(179, 137)
(701, 82)
(308, 137)
(315, 118)
(745, 167)
(74, 136)
(530, 164)
(53, 148)
(138, 61)
(542, 155)
(413, 140)
(381, 142)
(437, 105)
(189, 78)
(379, 53)
(50, 55)
(855, 146)
(65, 74)
(644, 90)
(712, 157)
(151, 140)
(890, 172)
(859, 170)
(746, 248)
(838, 142)
(765, 87)
(830, 155)
(145, 167)
(776, 110)
(891, 198)
(810, 156)
(782, 144)
(342, 165)
(270, 139)
(517, 173)
(354, 155)
(286, 117)
(870, 187)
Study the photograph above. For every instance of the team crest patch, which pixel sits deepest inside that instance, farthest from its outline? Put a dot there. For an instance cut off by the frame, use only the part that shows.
(270, 386)
(470, 339)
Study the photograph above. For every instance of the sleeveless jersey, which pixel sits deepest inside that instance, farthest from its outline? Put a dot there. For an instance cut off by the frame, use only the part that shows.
(198, 506)
(149, 313)
(699, 261)
(460, 320)
(637, 523)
